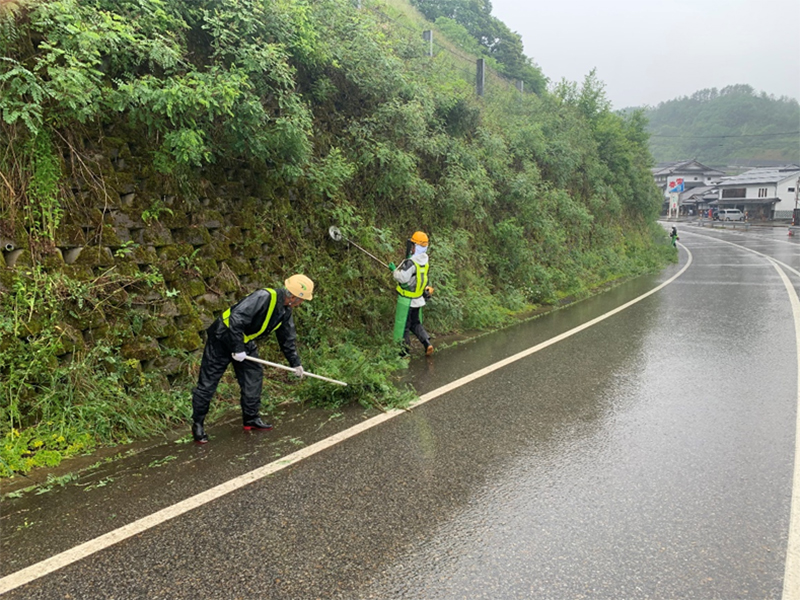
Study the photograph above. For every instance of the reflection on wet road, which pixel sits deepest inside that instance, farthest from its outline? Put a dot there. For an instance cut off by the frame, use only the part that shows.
(649, 456)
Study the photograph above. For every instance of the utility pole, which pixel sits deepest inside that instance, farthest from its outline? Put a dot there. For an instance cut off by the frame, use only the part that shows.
(796, 199)
(481, 76)
(796, 192)
(427, 35)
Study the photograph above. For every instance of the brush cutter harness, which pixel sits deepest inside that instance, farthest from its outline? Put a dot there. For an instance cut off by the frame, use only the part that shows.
(421, 276)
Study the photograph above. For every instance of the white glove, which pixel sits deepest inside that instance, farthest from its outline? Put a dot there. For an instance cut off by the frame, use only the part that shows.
(299, 371)
(239, 356)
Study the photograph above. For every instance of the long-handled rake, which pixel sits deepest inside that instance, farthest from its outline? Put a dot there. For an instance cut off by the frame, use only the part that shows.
(285, 368)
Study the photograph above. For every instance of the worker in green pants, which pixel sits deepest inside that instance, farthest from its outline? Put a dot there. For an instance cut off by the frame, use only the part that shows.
(412, 289)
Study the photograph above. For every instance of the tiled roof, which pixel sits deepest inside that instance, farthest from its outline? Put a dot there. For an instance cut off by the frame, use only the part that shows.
(762, 175)
(699, 192)
(684, 166)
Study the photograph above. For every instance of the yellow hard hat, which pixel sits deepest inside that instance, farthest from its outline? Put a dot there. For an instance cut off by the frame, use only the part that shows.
(301, 286)
(420, 238)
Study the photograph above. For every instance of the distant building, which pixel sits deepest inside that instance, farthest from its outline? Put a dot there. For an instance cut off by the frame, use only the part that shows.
(691, 174)
(677, 178)
(764, 193)
(698, 200)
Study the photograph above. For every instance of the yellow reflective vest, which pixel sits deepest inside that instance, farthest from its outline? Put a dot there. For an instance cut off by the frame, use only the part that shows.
(422, 281)
(272, 301)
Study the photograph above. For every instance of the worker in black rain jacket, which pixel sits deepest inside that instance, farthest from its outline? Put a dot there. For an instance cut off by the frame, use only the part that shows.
(412, 286)
(231, 339)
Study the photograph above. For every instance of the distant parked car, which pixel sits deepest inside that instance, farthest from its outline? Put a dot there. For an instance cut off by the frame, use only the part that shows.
(730, 214)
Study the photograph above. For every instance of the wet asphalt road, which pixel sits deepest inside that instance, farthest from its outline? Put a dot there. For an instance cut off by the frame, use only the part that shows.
(649, 456)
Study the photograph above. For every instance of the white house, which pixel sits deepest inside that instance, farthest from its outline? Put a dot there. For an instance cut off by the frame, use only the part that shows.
(765, 193)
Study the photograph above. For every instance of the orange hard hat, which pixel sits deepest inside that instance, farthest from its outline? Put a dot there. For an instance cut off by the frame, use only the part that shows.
(420, 238)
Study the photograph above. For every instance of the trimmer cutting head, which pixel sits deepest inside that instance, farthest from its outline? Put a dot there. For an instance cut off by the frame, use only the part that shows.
(335, 234)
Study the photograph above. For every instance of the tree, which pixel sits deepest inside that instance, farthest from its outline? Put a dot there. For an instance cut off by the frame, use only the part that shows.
(719, 126)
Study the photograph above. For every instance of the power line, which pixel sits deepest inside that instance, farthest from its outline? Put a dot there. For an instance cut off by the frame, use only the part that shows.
(416, 32)
(407, 28)
(469, 59)
(742, 135)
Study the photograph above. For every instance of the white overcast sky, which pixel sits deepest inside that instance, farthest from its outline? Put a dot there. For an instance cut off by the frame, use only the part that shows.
(649, 51)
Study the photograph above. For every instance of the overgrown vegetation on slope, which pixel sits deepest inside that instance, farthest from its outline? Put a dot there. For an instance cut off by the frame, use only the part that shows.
(471, 24)
(336, 116)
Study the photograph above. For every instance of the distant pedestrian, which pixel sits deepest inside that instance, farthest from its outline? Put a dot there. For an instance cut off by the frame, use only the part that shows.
(674, 237)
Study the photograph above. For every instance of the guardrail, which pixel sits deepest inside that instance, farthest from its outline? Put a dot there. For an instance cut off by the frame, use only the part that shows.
(724, 224)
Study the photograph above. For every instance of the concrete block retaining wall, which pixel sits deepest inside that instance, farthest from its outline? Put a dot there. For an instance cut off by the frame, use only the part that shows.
(206, 247)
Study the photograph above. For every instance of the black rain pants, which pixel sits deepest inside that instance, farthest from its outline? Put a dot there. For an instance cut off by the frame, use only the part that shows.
(413, 324)
(216, 358)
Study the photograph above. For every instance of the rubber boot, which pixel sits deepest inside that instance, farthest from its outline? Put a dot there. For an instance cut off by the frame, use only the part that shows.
(199, 433)
(256, 424)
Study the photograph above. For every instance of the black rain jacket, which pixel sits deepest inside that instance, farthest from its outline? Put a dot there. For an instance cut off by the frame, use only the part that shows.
(247, 317)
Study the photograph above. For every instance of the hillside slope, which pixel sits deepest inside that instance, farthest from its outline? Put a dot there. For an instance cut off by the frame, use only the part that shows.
(165, 157)
(724, 127)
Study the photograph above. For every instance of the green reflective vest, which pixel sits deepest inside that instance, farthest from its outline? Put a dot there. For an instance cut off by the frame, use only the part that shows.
(422, 281)
(273, 299)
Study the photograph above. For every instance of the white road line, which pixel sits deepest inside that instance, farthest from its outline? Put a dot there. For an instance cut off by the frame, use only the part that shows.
(768, 257)
(714, 267)
(759, 240)
(63, 559)
(791, 573)
(727, 283)
(498, 365)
